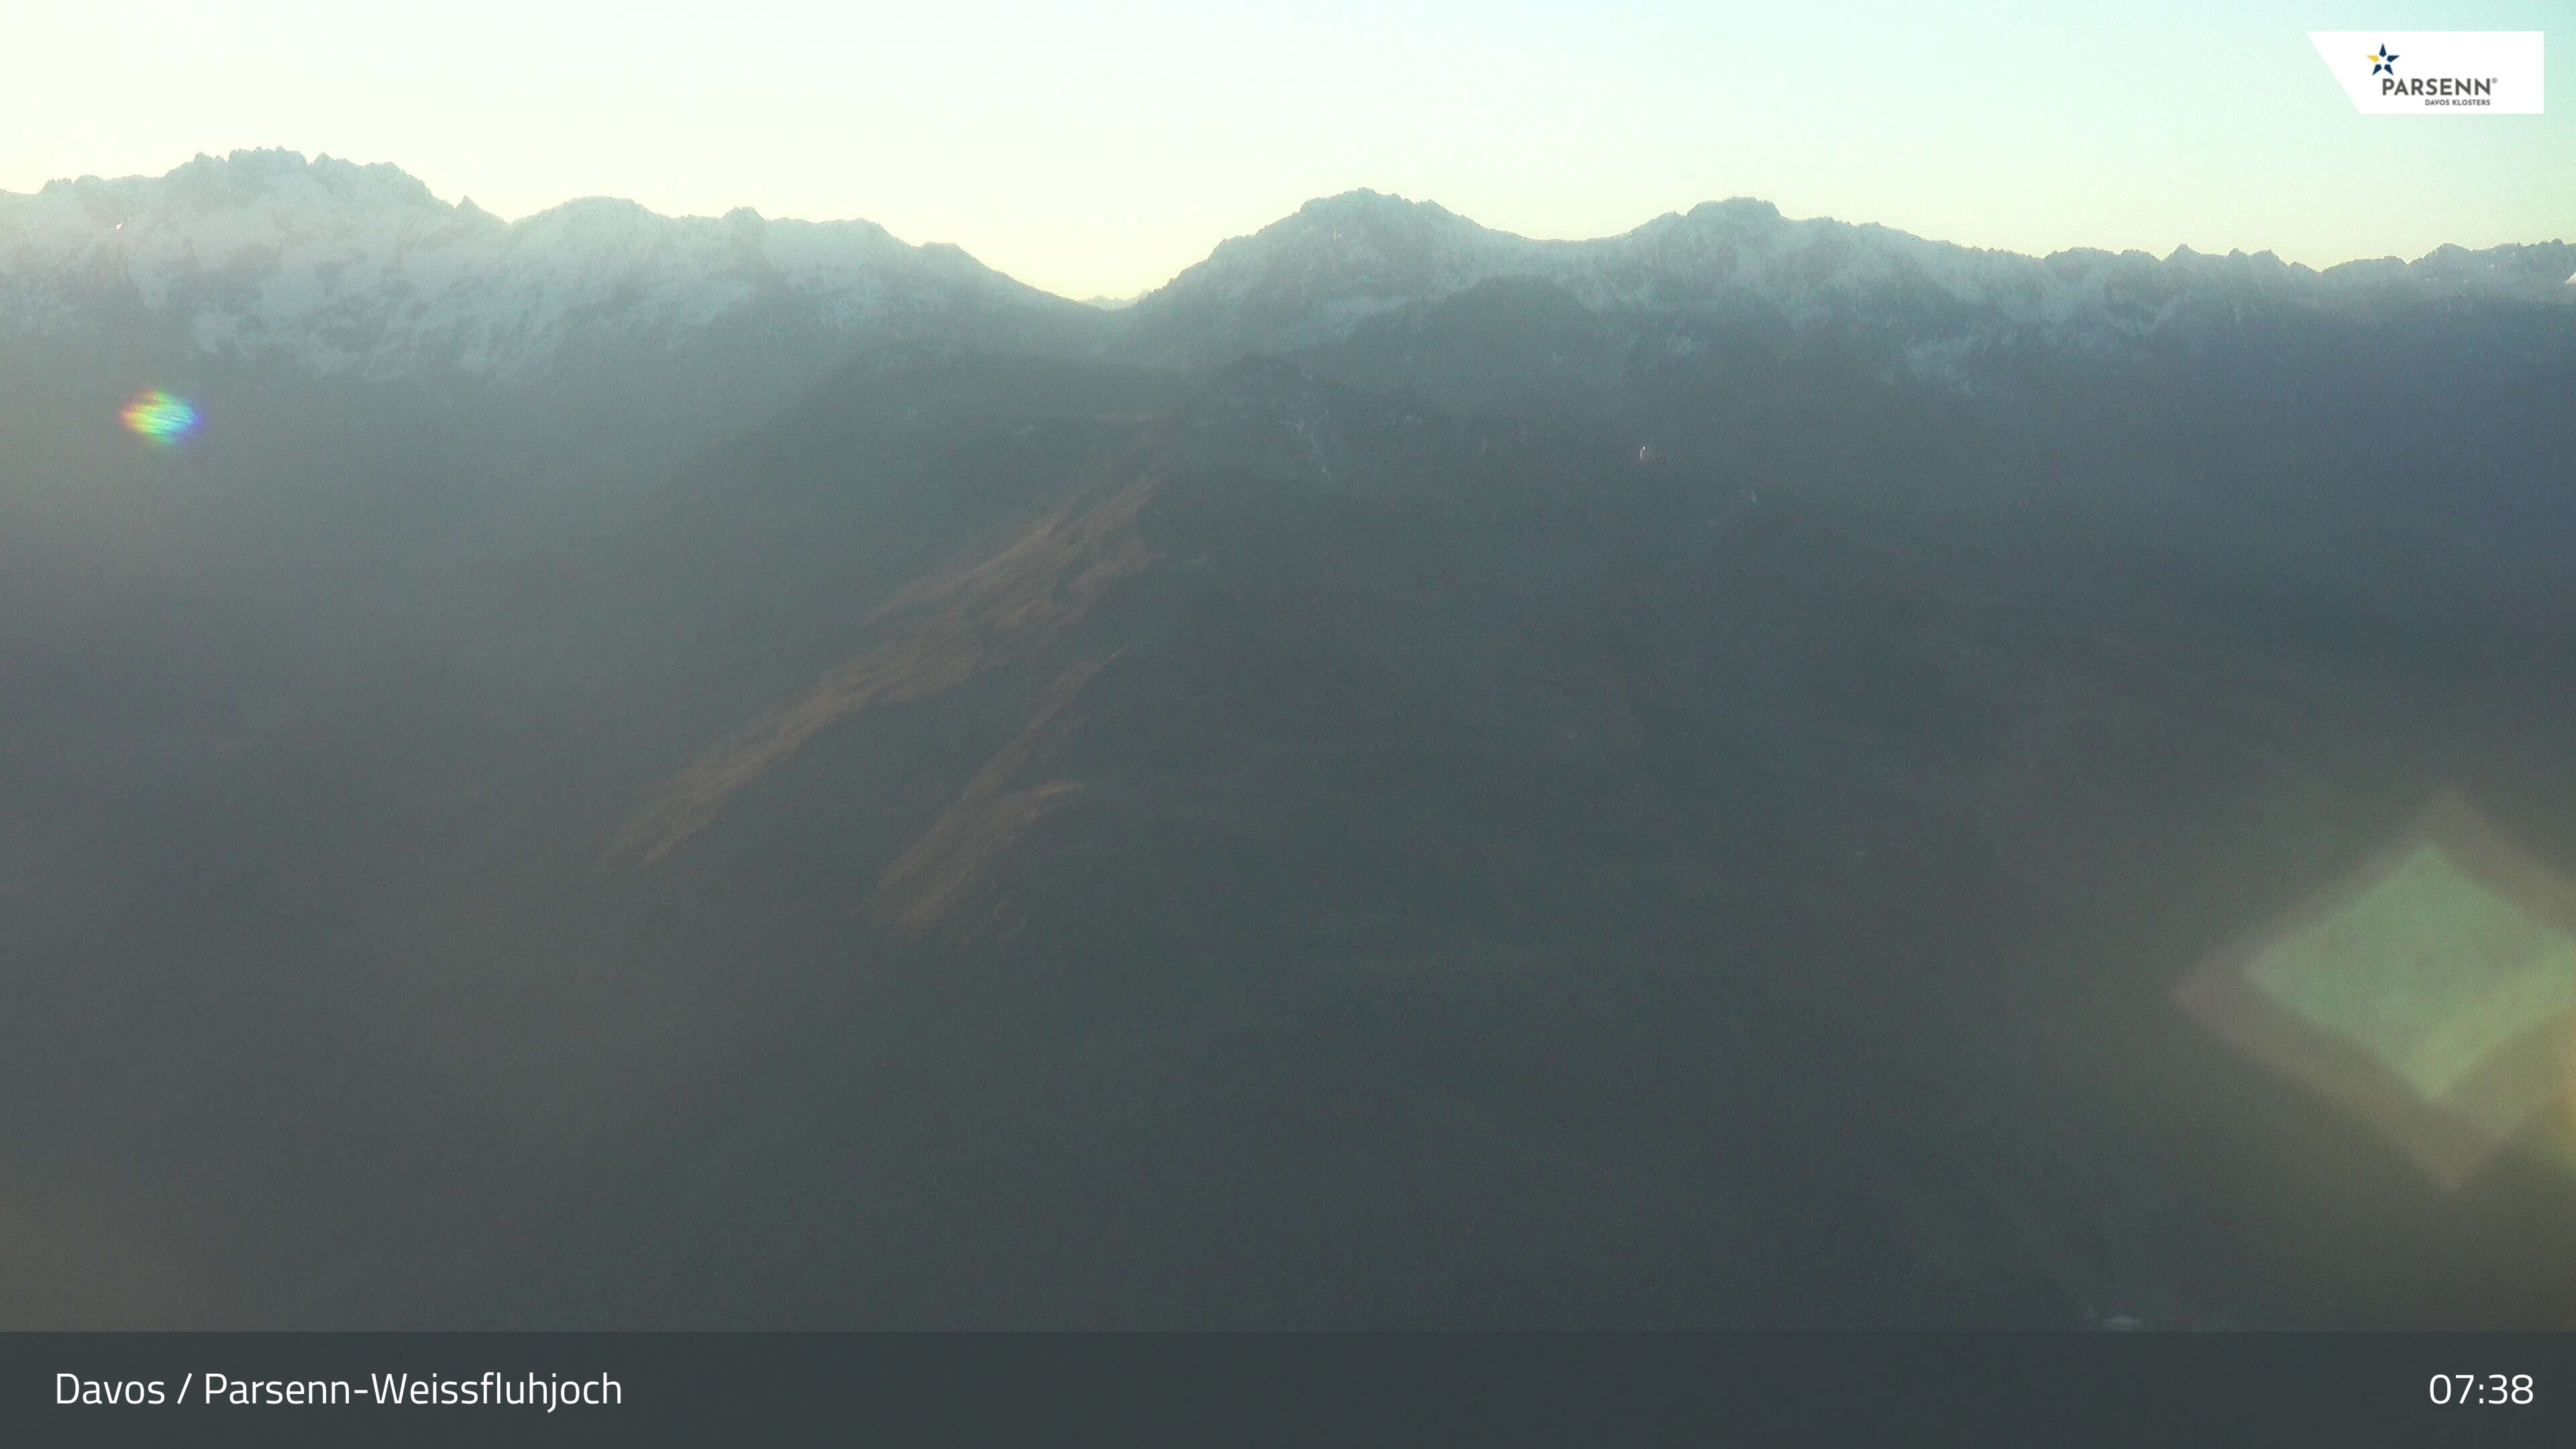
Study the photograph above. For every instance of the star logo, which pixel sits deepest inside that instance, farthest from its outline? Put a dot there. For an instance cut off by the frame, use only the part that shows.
(2382, 60)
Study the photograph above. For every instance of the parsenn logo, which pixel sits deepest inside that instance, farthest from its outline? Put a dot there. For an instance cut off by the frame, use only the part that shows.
(2470, 90)
(2448, 72)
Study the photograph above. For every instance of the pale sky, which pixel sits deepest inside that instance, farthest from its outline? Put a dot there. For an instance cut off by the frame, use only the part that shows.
(1100, 149)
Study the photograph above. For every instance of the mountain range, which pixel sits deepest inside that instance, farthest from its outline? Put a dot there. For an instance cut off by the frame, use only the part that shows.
(654, 772)
(354, 269)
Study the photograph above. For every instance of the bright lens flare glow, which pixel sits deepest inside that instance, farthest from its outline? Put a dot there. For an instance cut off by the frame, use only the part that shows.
(158, 417)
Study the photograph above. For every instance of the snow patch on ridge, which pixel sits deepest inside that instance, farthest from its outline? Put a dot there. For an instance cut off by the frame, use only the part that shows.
(343, 268)
(1311, 277)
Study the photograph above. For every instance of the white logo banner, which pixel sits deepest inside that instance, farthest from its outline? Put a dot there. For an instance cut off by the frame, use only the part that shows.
(2435, 72)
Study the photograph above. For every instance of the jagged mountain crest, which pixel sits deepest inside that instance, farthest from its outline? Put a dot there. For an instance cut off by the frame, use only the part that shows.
(1312, 277)
(360, 270)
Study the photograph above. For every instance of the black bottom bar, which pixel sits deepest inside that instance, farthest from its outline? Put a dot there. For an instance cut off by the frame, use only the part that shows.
(1347, 1389)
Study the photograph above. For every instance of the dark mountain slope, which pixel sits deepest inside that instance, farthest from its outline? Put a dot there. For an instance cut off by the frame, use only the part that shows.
(1323, 828)
(1594, 794)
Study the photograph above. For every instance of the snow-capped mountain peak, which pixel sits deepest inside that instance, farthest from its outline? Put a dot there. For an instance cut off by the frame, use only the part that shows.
(347, 268)
(1336, 262)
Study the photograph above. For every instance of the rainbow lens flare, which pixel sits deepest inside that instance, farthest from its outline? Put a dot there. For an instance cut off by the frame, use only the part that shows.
(160, 418)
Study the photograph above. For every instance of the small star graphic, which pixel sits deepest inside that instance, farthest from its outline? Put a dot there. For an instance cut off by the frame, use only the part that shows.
(2382, 61)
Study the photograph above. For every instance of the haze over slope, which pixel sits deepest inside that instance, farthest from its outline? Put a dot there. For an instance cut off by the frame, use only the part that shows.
(1650, 781)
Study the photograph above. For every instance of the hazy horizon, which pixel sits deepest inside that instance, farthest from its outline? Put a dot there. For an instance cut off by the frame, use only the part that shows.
(1100, 155)
(1287, 209)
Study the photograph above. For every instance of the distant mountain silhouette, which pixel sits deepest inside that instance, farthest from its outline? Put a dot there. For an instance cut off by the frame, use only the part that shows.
(1929, 308)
